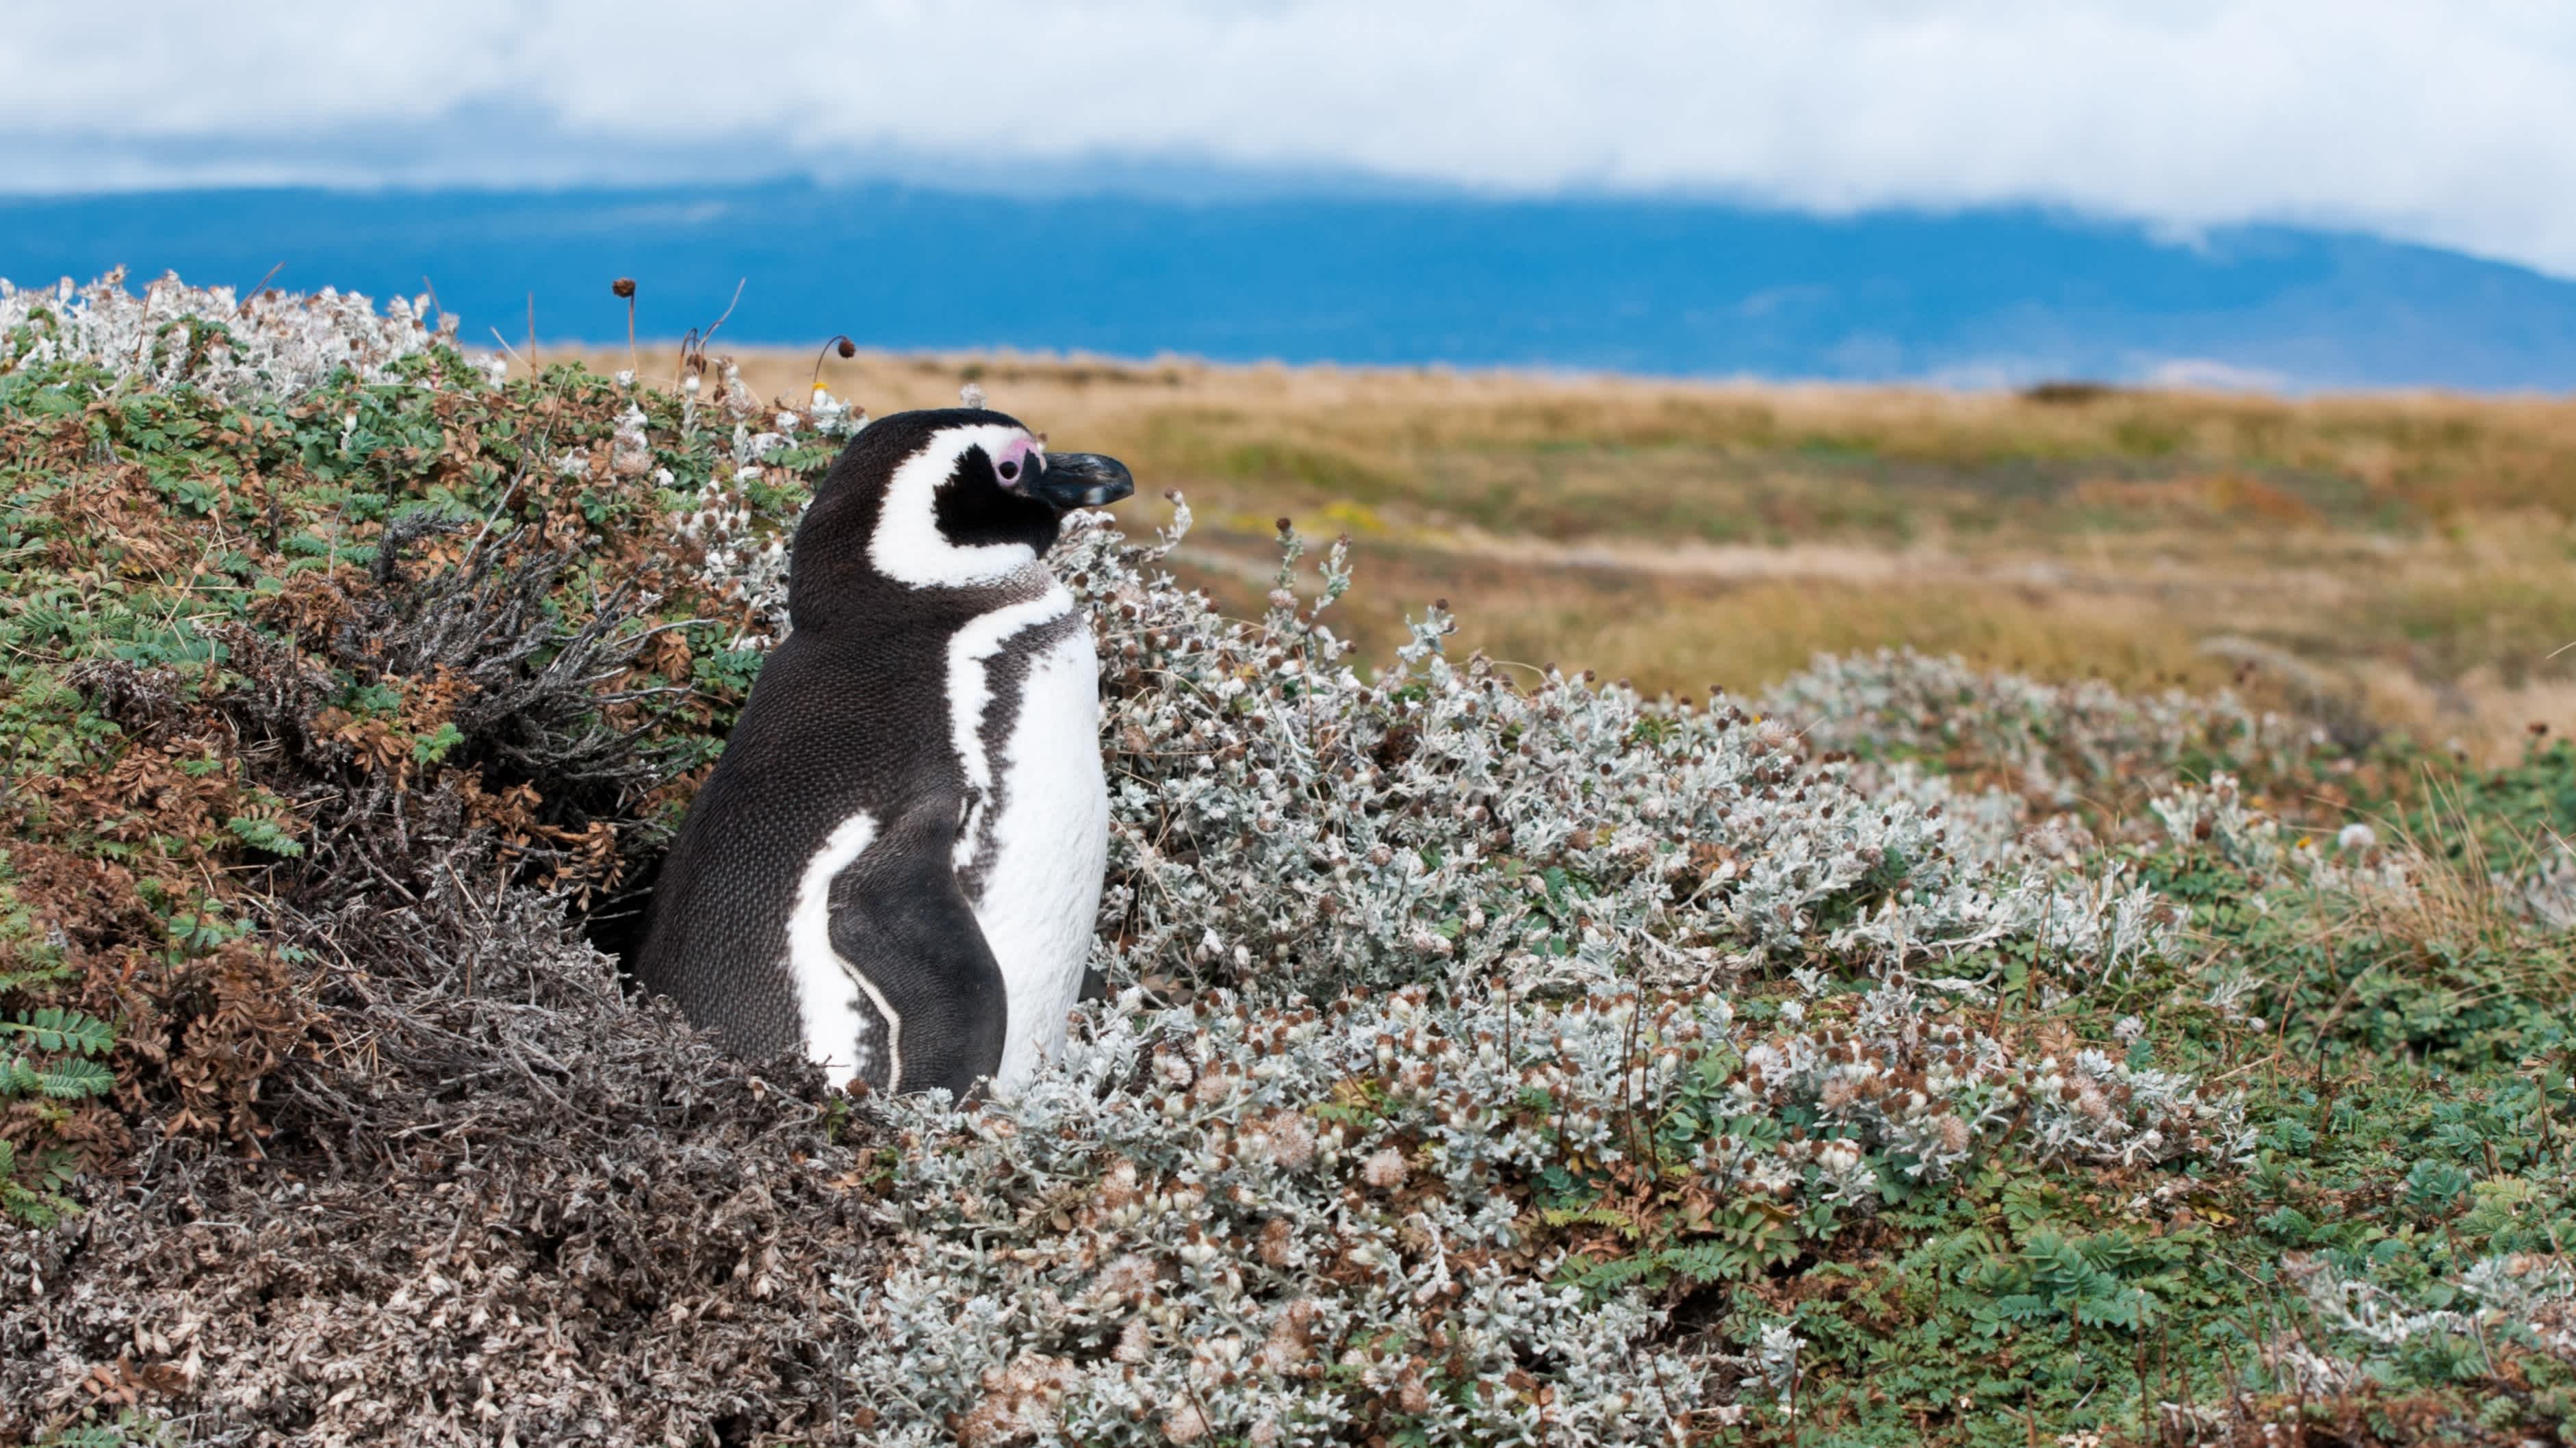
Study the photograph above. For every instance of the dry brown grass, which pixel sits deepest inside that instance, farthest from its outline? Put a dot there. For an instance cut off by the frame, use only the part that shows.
(2407, 555)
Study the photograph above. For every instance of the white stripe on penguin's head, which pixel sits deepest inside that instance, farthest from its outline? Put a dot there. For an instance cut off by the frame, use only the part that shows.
(910, 547)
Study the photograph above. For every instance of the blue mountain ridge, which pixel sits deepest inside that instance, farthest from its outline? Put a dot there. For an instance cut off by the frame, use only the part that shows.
(1654, 286)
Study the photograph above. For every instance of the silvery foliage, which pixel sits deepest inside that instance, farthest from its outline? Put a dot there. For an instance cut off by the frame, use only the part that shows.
(1269, 1220)
(1279, 821)
(272, 345)
(2353, 862)
(2053, 740)
(1163, 1239)
(1777, 1355)
(277, 345)
(2523, 1300)
(2545, 890)
(2216, 818)
(742, 548)
(741, 551)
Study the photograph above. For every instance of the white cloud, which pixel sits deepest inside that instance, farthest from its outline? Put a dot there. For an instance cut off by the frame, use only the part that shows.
(2453, 123)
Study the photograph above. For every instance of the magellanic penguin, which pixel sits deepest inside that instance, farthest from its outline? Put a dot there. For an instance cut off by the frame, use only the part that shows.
(896, 864)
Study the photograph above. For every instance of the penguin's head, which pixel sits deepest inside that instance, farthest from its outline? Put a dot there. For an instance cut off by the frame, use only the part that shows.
(960, 498)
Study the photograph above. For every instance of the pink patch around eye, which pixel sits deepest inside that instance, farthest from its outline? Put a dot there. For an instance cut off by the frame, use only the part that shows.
(1019, 457)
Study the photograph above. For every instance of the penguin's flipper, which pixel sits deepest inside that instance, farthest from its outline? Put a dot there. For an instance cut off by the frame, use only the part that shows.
(901, 922)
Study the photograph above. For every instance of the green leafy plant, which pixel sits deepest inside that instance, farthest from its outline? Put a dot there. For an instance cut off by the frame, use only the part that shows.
(50, 1057)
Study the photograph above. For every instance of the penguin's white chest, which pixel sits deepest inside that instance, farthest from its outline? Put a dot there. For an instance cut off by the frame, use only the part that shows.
(1024, 690)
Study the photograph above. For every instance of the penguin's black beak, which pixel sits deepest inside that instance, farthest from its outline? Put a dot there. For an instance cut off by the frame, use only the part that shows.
(1083, 480)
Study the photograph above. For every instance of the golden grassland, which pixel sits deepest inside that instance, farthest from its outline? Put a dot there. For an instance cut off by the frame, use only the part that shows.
(2397, 560)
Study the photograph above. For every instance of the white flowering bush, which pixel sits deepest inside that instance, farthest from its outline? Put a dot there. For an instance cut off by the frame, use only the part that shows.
(2521, 1301)
(2055, 744)
(1279, 822)
(1293, 1225)
(1272, 1227)
(271, 345)
(732, 524)
(2545, 889)
(2216, 817)
(2354, 868)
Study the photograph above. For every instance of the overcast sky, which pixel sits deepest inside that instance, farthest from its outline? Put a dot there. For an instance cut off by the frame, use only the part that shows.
(2449, 121)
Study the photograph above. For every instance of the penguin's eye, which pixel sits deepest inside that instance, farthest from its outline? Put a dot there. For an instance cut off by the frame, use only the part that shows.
(1016, 462)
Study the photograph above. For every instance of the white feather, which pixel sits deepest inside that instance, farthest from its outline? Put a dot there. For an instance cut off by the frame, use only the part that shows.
(970, 689)
(907, 545)
(828, 986)
(1041, 898)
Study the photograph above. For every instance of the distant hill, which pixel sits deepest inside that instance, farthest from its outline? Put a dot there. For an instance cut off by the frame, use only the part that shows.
(1653, 286)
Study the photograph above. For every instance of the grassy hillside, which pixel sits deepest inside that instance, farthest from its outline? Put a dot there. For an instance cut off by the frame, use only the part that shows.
(2402, 559)
(1908, 1052)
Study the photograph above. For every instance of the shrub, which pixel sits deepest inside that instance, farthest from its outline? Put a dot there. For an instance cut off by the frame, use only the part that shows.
(1280, 822)
(1299, 1225)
